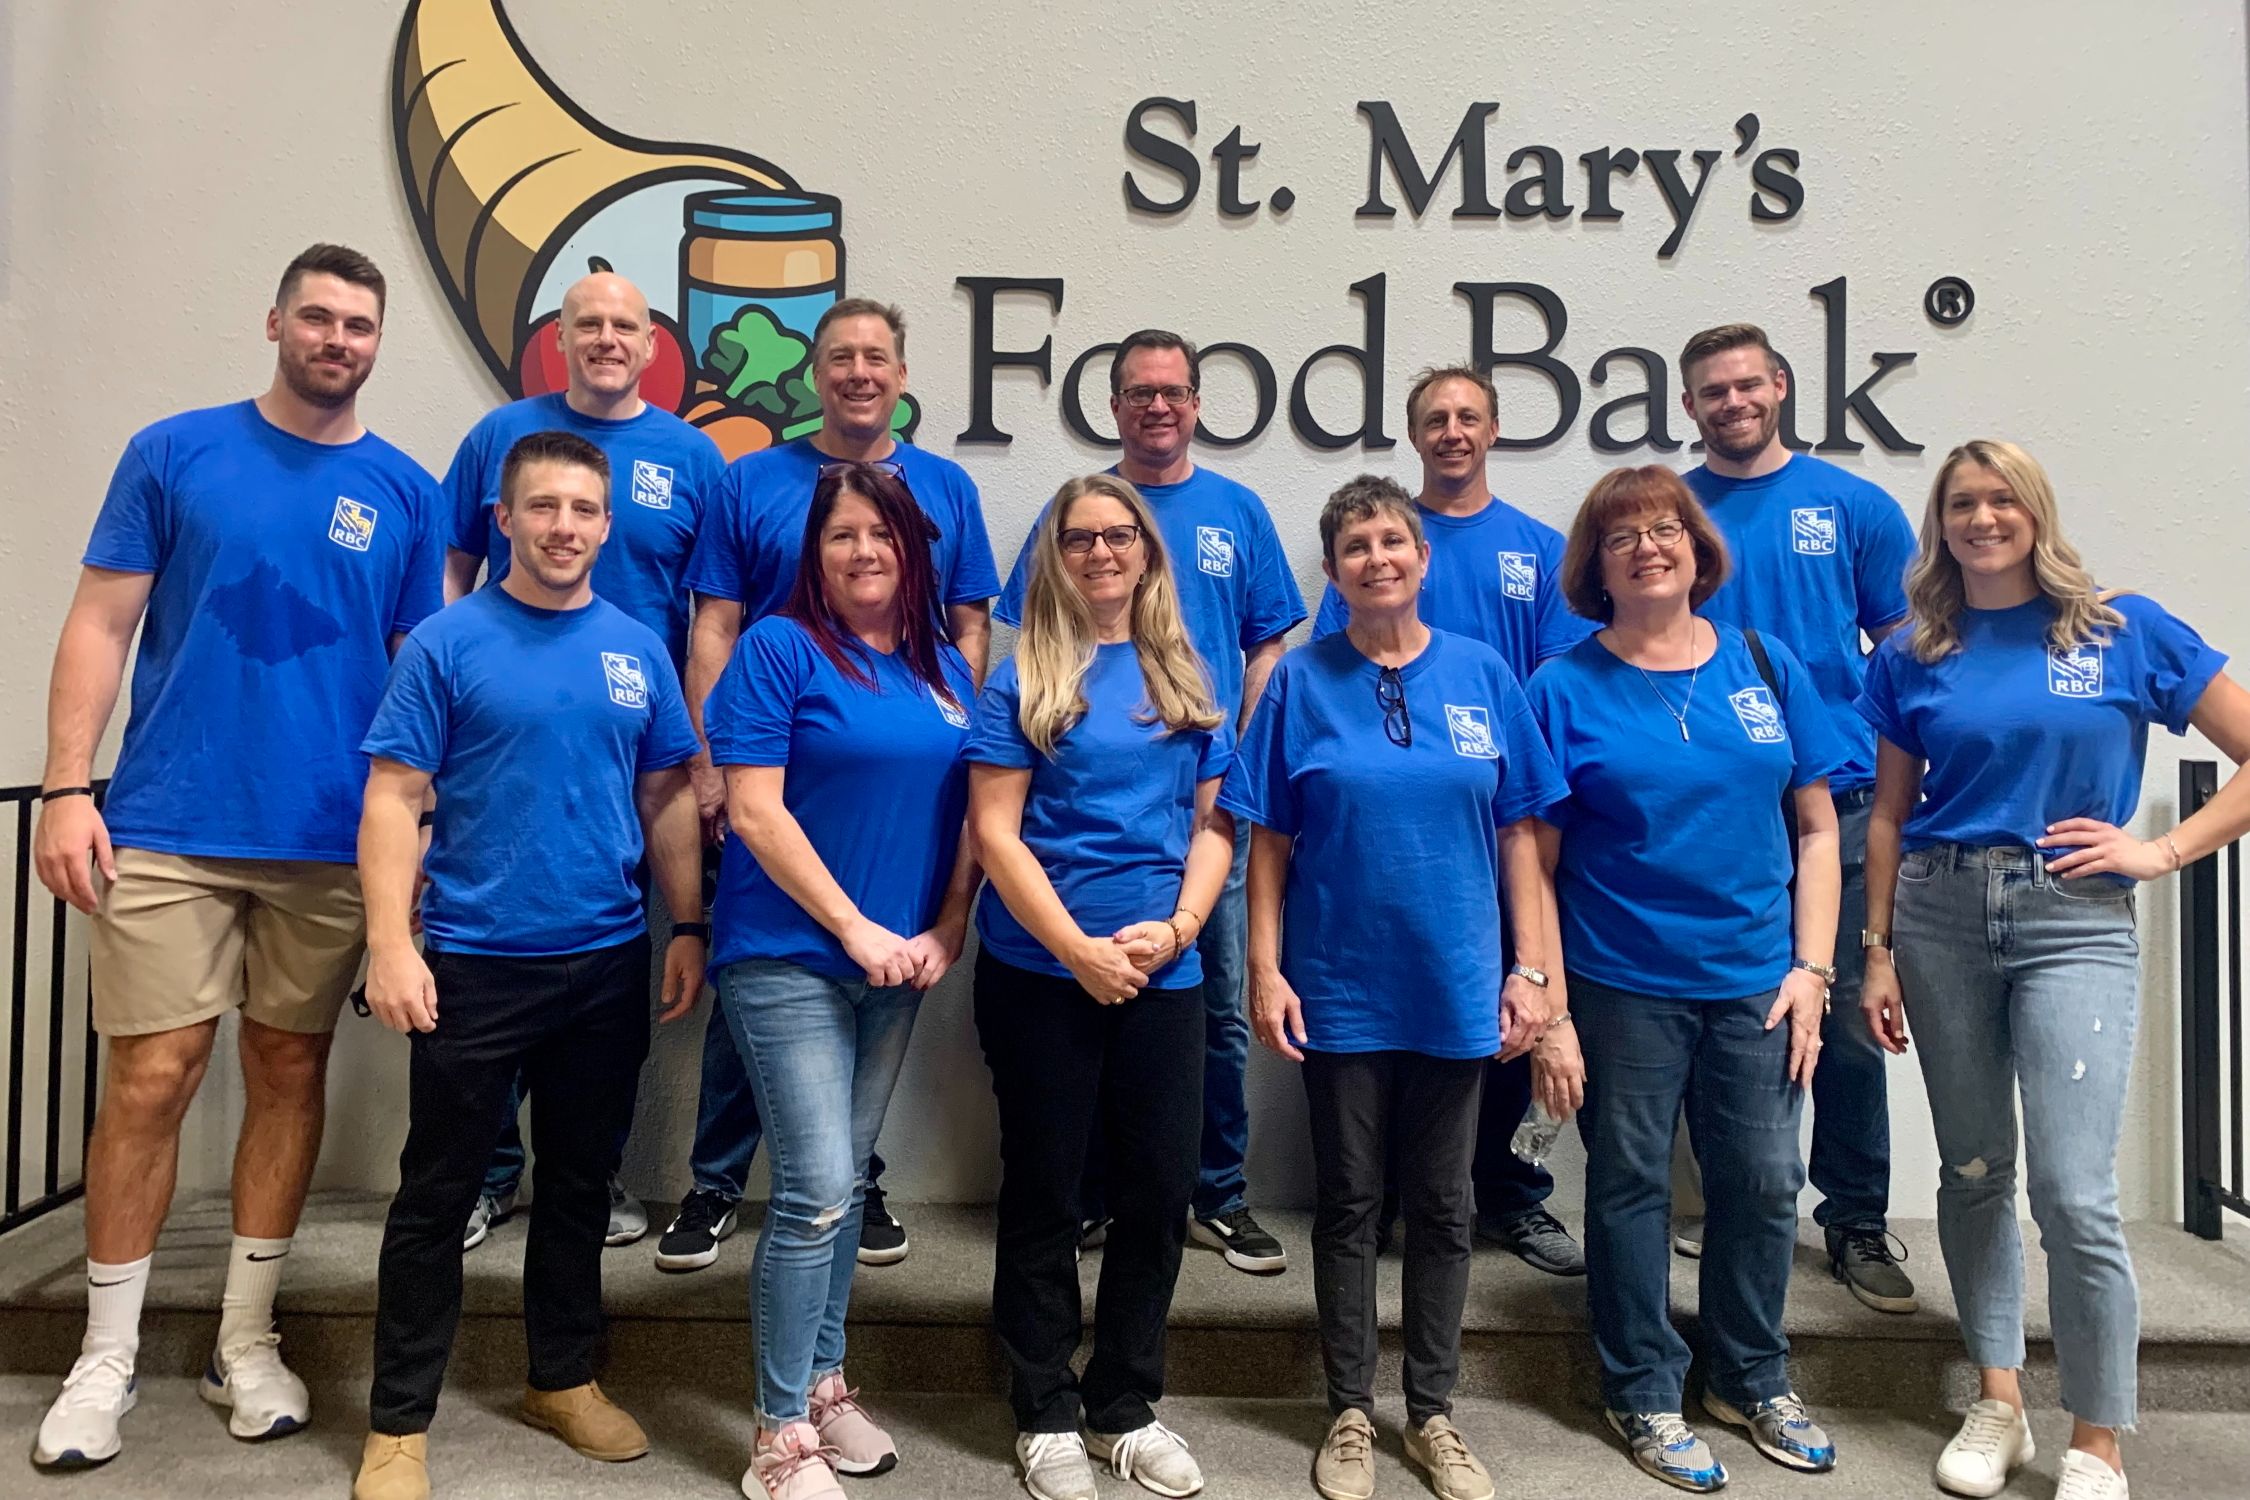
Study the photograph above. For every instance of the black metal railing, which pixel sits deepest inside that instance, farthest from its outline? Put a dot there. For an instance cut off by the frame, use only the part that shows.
(67, 1027)
(2211, 1040)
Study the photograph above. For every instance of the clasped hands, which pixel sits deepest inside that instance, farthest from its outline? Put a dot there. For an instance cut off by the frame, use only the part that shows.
(1114, 969)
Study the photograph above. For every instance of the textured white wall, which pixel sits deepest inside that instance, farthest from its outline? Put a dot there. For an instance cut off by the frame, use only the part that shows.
(2083, 167)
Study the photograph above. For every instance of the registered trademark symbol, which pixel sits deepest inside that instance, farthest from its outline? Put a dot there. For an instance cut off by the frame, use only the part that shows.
(1949, 301)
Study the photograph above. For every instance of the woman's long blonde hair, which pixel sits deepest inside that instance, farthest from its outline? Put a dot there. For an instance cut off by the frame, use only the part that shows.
(1934, 599)
(1057, 643)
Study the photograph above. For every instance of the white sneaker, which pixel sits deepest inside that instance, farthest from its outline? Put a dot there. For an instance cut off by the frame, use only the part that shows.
(628, 1220)
(1152, 1456)
(1054, 1466)
(262, 1397)
(1994, 1439)
(2085, 1477)
(80, 1429)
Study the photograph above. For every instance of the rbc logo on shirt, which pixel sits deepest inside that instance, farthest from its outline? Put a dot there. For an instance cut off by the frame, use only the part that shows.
(652, 485)
(1760, 719)
(957, 717)
(1214, 551)
(353, 525)
(1812, 530)
(2076, 673)
(1471, 731)
(1519, 574)
(627, 686)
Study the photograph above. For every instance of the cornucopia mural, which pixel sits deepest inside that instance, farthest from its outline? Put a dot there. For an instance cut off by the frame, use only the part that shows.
(517, 192)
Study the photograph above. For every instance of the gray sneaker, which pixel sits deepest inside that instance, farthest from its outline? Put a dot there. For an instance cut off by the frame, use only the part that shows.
(628, 1220)
(1152, 1456)
(1862, 1260)
(1054, 1466)
(1780, 1429)
(1687, 1237)
(1664, 1445)
(1538, 1239)
(491, 1209)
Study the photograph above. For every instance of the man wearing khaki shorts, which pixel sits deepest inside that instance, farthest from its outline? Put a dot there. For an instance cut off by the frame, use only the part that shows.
(270, 552)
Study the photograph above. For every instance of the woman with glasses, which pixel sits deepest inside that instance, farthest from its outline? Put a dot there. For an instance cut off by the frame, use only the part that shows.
(2014, 710)
(1392, 772)
(830, 924)
(1700, 945)
(1094, 764)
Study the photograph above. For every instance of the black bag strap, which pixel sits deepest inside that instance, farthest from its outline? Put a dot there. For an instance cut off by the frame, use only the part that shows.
(1764, 662)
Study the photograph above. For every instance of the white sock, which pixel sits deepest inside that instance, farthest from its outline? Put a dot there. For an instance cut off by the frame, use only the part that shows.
(253, 1274)
(113, 1307)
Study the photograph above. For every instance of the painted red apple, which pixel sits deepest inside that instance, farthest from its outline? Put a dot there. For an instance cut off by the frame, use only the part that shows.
(542, 371)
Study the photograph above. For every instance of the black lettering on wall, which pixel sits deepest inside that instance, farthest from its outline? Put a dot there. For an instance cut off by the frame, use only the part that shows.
(1551, 199)
(984, 292)
(1387, 142)
(1860, 402)
(1261, 375)
(1773, 175)
(1482, 297)
(1654, 403)
(1074, 407)
(1368, 355)
(1169, 155)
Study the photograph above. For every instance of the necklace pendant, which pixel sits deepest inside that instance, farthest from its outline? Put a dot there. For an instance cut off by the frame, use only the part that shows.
(1683, 731)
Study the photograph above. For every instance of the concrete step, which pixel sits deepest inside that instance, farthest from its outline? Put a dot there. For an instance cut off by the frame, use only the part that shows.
(925, 1325)
(961, 1446)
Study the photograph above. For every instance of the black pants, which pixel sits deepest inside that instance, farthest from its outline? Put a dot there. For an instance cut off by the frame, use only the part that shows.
(577, 1026)
(1059, 1061)
(1361, 1103)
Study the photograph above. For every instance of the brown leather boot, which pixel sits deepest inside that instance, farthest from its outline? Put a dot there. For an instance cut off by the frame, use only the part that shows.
(587, 1420)
(394, 1468)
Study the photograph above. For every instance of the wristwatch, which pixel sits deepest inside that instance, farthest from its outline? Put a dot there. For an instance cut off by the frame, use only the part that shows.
(1869, 938)
(1825, 973)
(1526, 971)
(692, 929)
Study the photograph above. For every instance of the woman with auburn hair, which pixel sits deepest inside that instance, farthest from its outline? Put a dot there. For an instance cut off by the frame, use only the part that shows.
(1701, 946)
(2014, 709)
(1094, 766)
(830, 923)
(1392, 771)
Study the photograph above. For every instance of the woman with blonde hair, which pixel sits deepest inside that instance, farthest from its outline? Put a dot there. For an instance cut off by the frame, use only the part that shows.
(1095, 760)
(2013, 710)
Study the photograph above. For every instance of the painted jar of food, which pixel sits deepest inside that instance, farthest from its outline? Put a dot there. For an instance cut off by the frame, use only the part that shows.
(783, 252)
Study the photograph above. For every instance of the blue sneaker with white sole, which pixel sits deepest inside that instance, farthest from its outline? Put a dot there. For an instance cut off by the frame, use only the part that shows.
(1780, 1429)
(1664, 1445)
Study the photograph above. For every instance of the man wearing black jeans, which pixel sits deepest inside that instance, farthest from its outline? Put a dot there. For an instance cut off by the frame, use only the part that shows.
(552, 729)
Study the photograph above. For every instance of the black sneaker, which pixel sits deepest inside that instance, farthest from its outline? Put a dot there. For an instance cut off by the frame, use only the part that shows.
(692, 1240)
(1538, 1239)
(1238, 1237)
(882, 1239)
(1862, 1260)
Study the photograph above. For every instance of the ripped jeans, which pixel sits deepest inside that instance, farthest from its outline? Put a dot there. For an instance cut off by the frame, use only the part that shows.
(2017, 981)
(824, 1055)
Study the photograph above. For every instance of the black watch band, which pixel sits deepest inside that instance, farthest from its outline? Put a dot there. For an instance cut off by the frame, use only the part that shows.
(692, 929)
(66, 791)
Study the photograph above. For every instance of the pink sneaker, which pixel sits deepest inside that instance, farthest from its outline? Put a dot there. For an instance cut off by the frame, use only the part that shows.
(791, 1465)
(861, 1448)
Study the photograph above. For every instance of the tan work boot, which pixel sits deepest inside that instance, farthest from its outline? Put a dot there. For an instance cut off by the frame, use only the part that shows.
(394, 1468)
(1437, 1445)
(1344, 1469)
(587, 1420)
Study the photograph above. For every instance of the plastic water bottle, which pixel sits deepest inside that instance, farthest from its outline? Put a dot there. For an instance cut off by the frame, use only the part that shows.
(1535, 1137)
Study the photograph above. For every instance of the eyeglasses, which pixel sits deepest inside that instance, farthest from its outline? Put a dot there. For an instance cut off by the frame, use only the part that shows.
(1663, 533)
(1078, 541)
(1390, 692)
(1145, 395)
(879, 465)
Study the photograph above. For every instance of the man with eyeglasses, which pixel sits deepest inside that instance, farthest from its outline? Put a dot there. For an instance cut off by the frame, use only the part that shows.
(1239, 599)
(1819, 559)
(1494, 575)
(744, 565)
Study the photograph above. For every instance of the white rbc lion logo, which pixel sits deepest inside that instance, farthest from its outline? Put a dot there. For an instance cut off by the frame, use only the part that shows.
(1214, 551)
(628, 686)
(652, 485)
(1519, 574)
(353, 524)
(957, 717)
(1812, 530)
(2076, 673)
(1472, 732)
(1754, 706)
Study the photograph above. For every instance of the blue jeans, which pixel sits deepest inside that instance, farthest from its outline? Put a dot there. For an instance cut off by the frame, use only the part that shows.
(1645, 1057)
(2019, 983)
(1220, 1184)
(824, 1056)
(1850, 1163)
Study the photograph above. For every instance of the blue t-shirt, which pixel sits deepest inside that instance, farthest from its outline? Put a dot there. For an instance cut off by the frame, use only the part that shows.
(755, 530)
(875, 778)
(2018, 737)
(1819, 556)
(1675, 868)
(1390, 922)
(536, 724)
(283, 568)
(1494, 577)
(1235, 587)
(1109, 817)
(662, 473)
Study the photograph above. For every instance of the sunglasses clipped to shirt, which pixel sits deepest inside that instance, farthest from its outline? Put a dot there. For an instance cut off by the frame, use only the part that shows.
(1390, 693)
